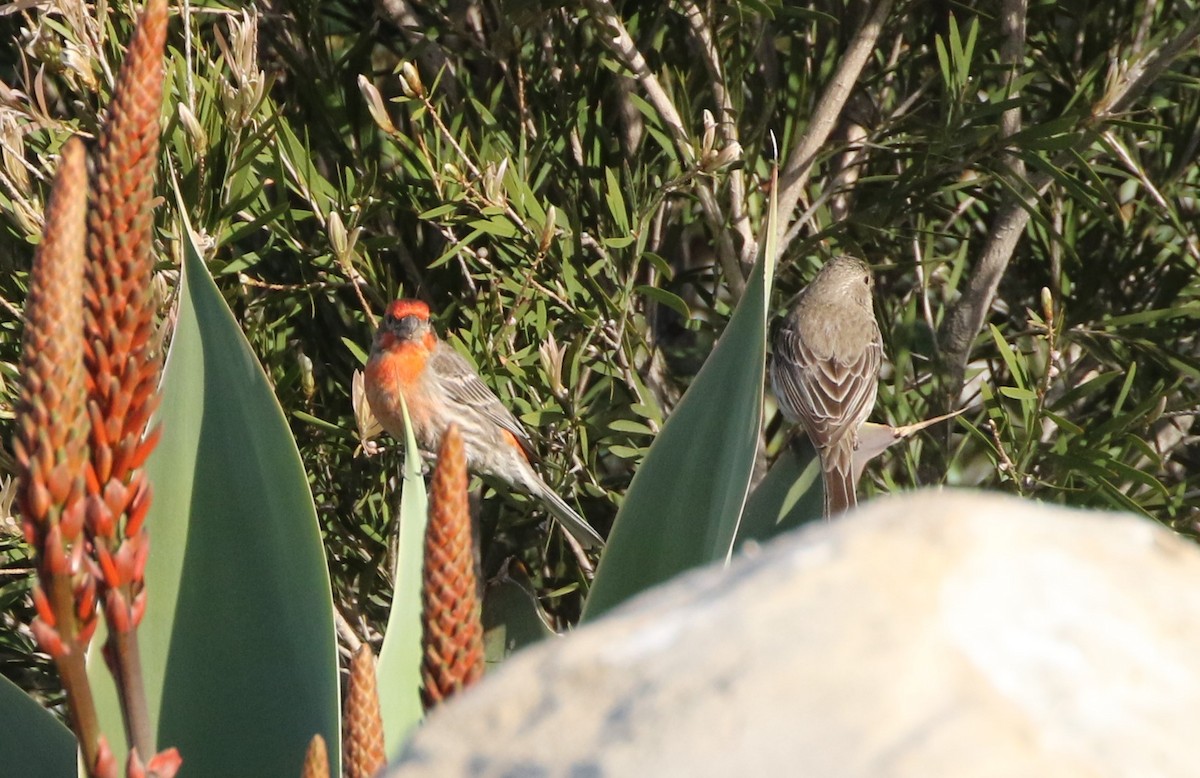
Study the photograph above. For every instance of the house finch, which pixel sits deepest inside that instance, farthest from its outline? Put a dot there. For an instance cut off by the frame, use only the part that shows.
(826, 367)
(440, 388)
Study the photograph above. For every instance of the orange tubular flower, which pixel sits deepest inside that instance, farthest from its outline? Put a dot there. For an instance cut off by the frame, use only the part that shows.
(122, 369)
(452, 655)
(119, 310)
(51, 440)
(362, 722)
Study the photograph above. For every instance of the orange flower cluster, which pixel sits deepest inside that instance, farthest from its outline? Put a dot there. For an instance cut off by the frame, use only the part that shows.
(452, 656)
(89, 388)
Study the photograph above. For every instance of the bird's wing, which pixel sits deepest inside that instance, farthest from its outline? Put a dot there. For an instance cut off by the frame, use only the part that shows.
(833, 395)
(464, 386)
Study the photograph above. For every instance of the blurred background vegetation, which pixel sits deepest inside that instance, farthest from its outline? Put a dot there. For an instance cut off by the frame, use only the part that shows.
(575, 190)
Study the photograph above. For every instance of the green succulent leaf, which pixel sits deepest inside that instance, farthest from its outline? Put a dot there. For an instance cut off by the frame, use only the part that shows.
(31, 737)
(686, 499)
(399, 668)
(512, 617)
(238, 644)
(789, 495)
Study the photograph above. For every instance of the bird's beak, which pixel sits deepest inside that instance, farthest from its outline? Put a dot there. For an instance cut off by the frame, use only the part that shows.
(407, 327)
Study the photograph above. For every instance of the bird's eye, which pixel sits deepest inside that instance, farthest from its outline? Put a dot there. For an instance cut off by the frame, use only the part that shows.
(867, 280)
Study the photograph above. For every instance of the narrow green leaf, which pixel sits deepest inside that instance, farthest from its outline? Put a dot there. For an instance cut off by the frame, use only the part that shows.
(1024, 395)
(1191, 309)
(1100, 187)
(1122, 470)
(356, 350)
(956, 50)
(1089, 387)
(629, 425)
(669, 299)
(1010, 357)
(648, 111)
(664, 141)
(326, 426)
(647, 411)
(943, 61)
(1117, 497)
(1146, 450)
(968, 52)
(1125, 387)
(616, 202)
(661, 265)
(436, 213)
(1064, 424)
(454, 248)
(497, 226)
(522, 196)
(1034, 134)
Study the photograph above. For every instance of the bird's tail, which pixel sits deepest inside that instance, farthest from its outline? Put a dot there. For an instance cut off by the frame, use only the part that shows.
(837, 465)
(572, 522)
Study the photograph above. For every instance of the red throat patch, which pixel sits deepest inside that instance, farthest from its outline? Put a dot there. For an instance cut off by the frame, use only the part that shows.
(401, 365)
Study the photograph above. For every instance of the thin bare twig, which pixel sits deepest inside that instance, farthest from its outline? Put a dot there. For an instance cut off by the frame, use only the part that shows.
(847, 168)
(967, 316)
(432, 58)
(923, 286)
(346, 631)
(726, 126)
(1006, 463)
(618, 40)
(1144, 26)
(795, 173)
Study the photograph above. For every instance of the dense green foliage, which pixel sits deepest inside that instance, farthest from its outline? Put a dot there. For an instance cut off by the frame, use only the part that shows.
(519, 180)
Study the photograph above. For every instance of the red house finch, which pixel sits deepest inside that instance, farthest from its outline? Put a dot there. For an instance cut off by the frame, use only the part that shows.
(440, 388)
(826, 368)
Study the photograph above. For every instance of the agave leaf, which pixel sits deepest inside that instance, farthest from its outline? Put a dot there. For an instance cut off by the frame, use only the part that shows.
(790, 494)
(238, 644)
(31, 737)
(684, 504)
(512, 616)
(400, 657)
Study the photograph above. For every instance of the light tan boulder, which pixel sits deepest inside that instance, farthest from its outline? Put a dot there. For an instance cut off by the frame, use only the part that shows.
(933, 634)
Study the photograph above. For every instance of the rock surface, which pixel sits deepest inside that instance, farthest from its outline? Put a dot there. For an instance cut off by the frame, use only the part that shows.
(933, 634)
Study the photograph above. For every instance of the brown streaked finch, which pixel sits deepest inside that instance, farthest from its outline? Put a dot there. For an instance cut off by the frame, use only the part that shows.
(825, 369)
